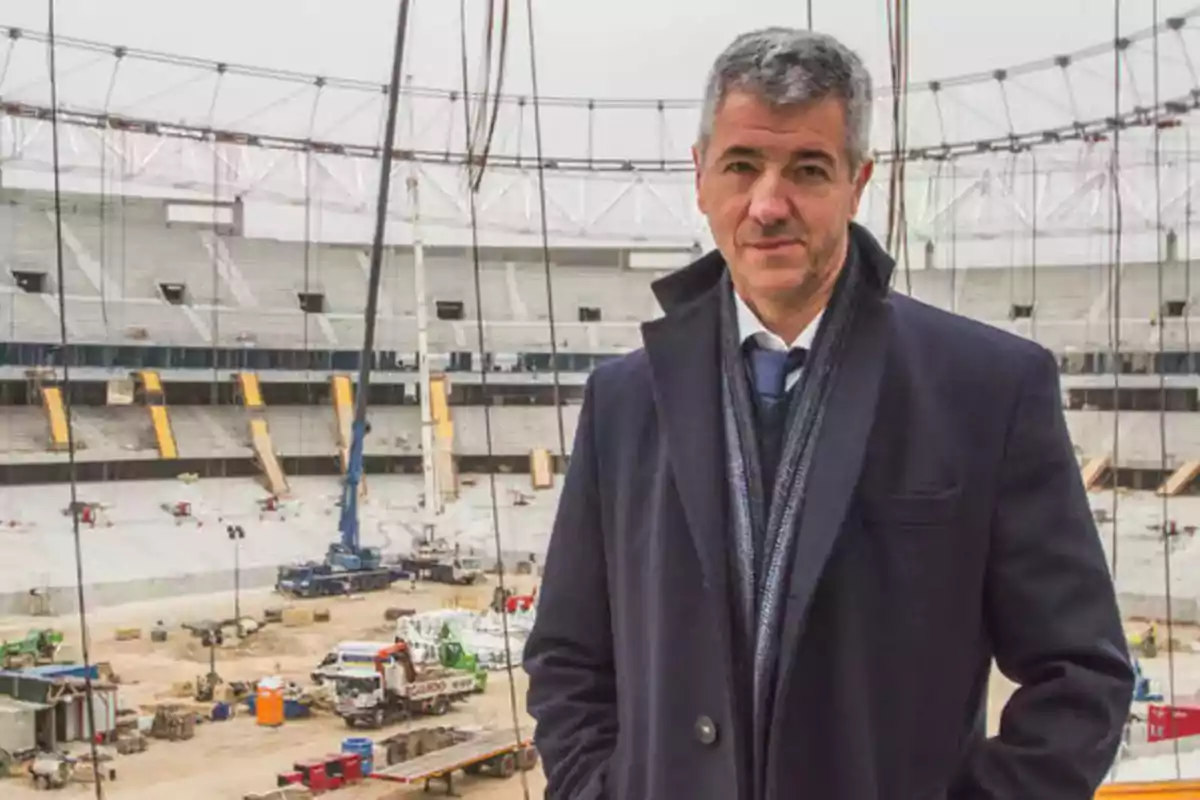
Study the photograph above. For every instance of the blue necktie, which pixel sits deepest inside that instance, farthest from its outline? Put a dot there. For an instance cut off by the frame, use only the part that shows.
(771, 368)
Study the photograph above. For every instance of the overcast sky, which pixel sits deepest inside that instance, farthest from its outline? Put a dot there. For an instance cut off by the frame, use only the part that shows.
(614, 48)
(609, 49)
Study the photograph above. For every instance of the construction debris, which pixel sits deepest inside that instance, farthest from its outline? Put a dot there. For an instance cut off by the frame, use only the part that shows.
(131, 743)
(296, 792)
(413, 744)
(173, 723)
(50, 772)
(297, 617)
(393, 614)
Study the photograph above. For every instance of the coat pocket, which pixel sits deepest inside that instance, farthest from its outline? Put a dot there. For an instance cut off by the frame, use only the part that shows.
(919, 509)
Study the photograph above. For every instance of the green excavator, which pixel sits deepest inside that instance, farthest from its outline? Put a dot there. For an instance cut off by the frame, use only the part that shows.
(37, 648)
(452, 656)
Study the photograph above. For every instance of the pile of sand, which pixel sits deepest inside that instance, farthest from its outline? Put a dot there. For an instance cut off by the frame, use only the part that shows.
(265, 643)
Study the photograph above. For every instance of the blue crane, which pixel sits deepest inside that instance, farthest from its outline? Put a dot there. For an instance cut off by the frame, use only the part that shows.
(349, 566)
(348, 553)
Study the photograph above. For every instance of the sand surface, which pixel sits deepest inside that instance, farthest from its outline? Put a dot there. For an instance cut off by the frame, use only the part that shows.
(229, 759)
(226, 760)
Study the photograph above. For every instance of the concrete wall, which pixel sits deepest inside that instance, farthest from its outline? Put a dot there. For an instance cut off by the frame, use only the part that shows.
(65, 599)
(18, 726)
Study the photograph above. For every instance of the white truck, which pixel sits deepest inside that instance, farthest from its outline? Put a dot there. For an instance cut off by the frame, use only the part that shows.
(347, 655)
(441, 564)
(392, 689)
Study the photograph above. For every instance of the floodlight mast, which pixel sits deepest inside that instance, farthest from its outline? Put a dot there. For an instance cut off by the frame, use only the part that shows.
(433, 496)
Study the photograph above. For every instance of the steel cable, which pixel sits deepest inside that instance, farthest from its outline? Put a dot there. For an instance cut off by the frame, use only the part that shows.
(473, 183)
(67, 356)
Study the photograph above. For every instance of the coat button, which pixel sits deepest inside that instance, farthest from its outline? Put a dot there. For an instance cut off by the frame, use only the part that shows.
(706, 731)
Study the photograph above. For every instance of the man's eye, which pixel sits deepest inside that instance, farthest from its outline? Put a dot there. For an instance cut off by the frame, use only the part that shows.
(740, 167)
(811, 172)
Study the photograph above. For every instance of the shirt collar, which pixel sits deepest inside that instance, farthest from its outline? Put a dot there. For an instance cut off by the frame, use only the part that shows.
(750, 326)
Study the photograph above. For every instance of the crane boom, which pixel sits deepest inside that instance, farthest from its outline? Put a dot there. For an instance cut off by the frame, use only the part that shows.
(348, 522)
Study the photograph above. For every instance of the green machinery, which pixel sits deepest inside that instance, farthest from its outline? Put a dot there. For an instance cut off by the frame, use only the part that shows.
(452, 656)
(38, 647)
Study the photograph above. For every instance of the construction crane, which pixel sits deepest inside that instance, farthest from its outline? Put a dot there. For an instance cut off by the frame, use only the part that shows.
(348, 553)
(348, 566)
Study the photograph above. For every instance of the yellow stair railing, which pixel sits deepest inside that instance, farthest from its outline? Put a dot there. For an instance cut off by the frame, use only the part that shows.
(1180, 479)
(443, 433)
(260, 434)
(156, 400)
(56, 416)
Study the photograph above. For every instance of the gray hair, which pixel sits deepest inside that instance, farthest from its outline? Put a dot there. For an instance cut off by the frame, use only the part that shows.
(789, 66)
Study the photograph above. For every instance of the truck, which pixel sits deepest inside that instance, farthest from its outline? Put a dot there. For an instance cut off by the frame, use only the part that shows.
(334, 577)
(440, 564)
(392, 688)
(346, 655)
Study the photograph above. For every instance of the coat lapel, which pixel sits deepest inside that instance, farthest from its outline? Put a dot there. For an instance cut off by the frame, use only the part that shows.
(684, 359)
(683, 349)
(837, 462)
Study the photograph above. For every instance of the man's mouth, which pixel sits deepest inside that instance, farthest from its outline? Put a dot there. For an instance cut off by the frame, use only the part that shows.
(768, 245)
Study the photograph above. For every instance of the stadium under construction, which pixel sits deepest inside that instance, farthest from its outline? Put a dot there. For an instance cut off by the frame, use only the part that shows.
(210, 281)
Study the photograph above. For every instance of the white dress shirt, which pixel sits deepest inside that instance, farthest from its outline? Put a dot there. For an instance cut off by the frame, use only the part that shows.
(749, 325)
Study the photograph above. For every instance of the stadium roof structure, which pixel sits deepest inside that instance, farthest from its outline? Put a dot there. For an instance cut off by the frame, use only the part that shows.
(992, 154)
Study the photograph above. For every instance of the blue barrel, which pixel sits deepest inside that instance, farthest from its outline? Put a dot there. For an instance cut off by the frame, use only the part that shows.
(294, 709)
(364, 748)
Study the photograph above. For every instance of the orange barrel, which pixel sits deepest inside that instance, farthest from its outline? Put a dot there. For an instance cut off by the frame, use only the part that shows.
(269, 702)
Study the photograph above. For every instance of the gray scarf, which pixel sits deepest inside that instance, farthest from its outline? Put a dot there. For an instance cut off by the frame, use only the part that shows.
(763, 545)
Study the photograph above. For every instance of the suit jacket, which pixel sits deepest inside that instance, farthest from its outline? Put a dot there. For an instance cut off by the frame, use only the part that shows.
(946, 524)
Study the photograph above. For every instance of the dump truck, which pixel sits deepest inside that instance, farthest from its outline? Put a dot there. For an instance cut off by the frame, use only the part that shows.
(392, 688)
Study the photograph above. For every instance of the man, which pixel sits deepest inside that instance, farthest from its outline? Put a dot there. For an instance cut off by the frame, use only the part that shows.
(785, 576)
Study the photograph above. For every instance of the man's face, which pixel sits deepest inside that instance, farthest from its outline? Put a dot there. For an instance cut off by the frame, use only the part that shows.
(778, 190)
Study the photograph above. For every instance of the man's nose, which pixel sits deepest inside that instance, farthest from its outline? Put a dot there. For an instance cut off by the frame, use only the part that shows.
(769, 205)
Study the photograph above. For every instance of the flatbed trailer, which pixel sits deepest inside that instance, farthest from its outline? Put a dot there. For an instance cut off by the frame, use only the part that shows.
(496, 753)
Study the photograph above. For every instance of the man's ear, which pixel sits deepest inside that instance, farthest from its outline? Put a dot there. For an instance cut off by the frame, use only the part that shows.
(698, 168)
(860, 183)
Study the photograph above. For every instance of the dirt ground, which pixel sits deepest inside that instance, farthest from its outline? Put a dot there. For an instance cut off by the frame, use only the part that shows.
(229, 759)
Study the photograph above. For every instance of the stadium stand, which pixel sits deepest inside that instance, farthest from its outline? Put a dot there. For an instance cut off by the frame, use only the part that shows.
(196, 305)
(201, 308)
